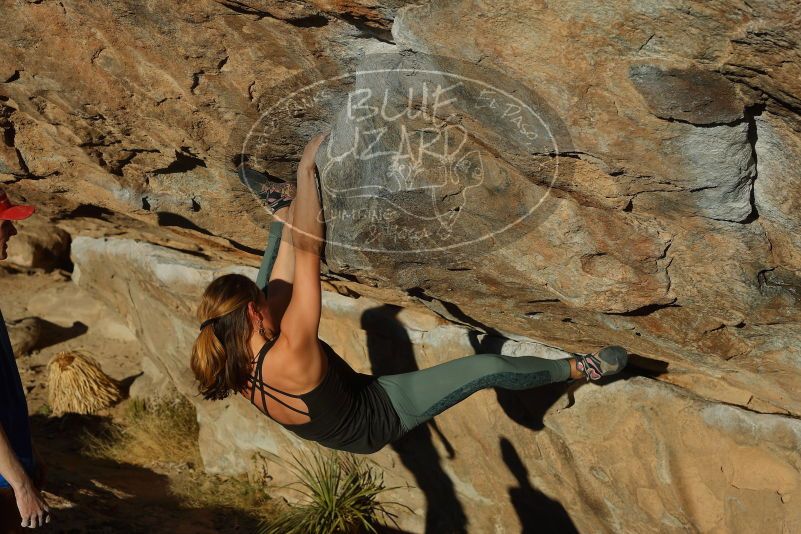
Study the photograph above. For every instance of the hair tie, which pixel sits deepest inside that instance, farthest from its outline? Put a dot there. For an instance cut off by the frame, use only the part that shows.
(207, 322)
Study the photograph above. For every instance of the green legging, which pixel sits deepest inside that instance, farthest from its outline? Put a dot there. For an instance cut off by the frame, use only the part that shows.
(270, 253)
(418, 396)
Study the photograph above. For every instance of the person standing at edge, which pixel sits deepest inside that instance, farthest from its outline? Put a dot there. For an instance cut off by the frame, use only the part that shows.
(21, 502)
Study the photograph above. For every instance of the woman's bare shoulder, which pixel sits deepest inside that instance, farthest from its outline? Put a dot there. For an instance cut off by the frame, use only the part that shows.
(297, 372)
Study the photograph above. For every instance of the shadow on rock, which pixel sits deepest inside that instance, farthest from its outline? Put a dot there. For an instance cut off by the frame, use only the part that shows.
(528, 407)
(525, 407)
(390, 351)
(167, 218)
(53, 334)
(34, 333)
(537, 512)
(642, 366)
(126, 383)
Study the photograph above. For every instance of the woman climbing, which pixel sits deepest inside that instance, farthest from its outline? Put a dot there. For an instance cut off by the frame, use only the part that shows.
(260, 340)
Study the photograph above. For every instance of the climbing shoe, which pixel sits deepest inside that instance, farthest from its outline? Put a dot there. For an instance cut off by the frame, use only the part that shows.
(273, 194)
(608, 361)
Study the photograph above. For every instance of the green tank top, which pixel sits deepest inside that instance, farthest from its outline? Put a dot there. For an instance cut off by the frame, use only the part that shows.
(349, 411)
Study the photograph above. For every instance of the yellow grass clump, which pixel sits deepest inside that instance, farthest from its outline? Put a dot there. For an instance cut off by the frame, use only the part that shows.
(151, 430)
(77, 384)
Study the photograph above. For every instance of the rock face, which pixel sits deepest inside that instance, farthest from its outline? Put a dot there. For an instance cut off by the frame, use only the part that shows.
(25, 334)
(39, 244)
(575, 174)
(636, 455)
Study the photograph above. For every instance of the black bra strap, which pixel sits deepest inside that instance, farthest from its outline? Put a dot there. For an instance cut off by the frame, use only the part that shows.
(258, 382)
(268, 394)
(260, 361)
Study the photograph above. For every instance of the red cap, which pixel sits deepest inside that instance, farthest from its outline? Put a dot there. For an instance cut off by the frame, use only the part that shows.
(13, 212)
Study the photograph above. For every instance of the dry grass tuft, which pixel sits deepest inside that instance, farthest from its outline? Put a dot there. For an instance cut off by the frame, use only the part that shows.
(162, 434)
(77, 384)
(151, 431)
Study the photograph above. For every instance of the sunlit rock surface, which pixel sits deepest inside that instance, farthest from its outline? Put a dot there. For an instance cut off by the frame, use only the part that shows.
(635, 455)
(661, 214)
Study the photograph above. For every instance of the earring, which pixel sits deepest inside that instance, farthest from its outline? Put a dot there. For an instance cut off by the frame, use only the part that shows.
(261, 330)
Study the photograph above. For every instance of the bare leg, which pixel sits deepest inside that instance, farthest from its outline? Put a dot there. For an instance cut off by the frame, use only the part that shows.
(575, 374)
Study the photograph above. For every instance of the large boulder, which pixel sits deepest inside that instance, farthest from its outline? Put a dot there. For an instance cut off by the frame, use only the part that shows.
(39, 244)
(574, 174)
(635, 455)
(25, 334)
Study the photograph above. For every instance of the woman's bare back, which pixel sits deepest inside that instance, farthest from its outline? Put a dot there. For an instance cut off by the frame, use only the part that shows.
(290, 373)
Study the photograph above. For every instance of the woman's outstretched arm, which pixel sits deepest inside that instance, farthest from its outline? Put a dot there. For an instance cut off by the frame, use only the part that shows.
(302, 318)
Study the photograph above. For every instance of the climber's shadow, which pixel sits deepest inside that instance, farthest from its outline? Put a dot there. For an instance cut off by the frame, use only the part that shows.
(642, 366)
(525, 407)
(528, 407)
(537, 512)
(391, 352)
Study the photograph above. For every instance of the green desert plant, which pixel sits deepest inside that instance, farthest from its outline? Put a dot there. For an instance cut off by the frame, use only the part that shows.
(340, 492)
